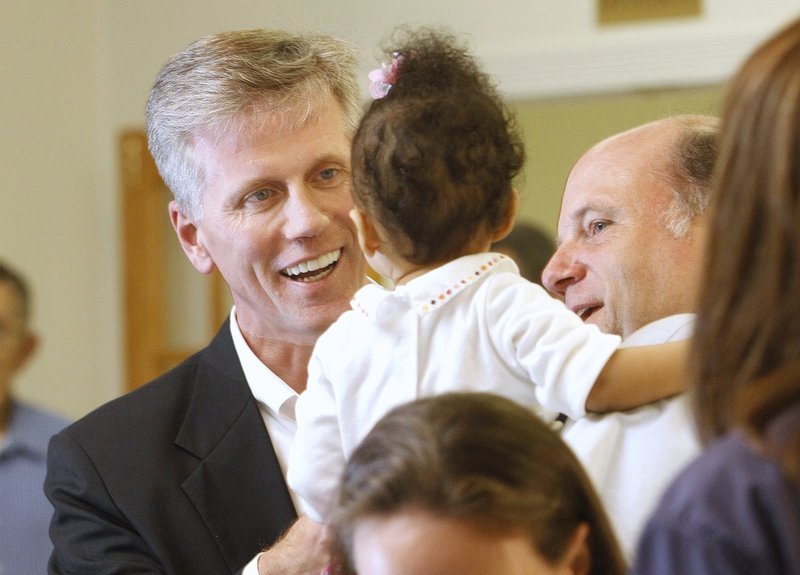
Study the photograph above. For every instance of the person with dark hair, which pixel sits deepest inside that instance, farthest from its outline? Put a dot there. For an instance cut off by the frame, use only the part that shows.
(628, 261)
(251, 131)
(24, 432)
(530, 247)
(470, 483)
(736, 508)
(433, 162)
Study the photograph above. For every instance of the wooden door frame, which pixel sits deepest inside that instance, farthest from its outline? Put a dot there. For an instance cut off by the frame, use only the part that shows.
(148, 352)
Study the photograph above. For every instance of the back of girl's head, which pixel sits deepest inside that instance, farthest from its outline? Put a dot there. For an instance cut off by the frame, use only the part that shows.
(434, 160)
(748, 309)
(481, 459)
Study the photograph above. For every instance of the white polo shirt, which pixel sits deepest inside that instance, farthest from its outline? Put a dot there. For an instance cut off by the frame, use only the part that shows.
(632, 456)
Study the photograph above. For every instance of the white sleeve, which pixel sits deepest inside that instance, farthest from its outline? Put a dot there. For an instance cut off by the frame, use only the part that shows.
(561, 355)
(316, 460)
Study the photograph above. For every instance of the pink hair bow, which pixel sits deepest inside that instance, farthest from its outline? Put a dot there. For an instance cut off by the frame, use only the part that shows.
(382, 79)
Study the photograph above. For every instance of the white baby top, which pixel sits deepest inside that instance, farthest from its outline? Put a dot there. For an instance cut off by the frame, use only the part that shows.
(470, 325)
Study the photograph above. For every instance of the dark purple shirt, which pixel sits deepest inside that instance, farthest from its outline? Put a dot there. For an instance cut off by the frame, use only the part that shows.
(731, 512)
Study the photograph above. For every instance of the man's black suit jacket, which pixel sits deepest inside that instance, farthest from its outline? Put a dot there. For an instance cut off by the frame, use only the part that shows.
(178, 476)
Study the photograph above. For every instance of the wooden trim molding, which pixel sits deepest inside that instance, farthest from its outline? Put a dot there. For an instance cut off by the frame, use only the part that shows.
(148, 351)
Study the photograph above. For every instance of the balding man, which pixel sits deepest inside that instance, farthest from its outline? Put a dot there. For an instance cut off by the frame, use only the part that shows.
(628, 260)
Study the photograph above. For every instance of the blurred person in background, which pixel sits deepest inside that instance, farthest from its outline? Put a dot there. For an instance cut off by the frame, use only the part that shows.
(24, 432)
(530, 247)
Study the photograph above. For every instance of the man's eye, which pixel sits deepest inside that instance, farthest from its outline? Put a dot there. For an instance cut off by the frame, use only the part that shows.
(597, 227)
(331, 177)
(259, 195)
(328, 174)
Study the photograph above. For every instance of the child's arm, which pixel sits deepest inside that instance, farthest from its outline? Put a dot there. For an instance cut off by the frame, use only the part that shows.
(635, 376)
(317, 456)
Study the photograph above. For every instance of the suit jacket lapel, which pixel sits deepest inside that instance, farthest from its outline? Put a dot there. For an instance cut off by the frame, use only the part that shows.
(238, 487)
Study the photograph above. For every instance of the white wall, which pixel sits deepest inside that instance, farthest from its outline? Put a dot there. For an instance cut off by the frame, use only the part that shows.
(55, 213)
(76, 72)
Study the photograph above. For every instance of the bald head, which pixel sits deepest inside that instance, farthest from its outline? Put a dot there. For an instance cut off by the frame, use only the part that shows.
(678, 152)
(631, 224)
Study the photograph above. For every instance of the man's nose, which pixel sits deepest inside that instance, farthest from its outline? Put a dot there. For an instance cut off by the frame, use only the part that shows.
(305, 214)
(561, 272)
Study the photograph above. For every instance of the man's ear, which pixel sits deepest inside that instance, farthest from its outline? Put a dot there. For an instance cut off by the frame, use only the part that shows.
(368, 238)
(191, 240)
(29, 345)
(505, 225)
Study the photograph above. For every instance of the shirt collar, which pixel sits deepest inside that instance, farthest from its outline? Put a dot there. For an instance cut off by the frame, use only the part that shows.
(268, 389)
(434, 289)
(24, 433)
(670, 328)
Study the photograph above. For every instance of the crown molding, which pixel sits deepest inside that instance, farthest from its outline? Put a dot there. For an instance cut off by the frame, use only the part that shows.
(630, 61)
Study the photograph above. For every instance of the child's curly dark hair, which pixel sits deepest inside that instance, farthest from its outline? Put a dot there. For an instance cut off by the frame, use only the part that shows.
(434, 159)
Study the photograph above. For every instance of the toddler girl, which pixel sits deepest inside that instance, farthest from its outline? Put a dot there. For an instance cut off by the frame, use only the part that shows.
(433, 162)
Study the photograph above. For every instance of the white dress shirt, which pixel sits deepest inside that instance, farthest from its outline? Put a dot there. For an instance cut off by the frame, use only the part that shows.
(632, 456)
(276, 402)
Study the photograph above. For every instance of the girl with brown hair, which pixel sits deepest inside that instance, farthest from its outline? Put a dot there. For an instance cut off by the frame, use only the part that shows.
(736, 509)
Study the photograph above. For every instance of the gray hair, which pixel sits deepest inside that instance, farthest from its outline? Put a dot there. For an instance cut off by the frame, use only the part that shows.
(690, 171)
(225, 81)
